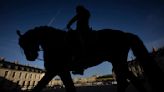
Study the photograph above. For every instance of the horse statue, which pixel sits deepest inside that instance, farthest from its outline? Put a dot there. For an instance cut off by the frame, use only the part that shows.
(103, 45)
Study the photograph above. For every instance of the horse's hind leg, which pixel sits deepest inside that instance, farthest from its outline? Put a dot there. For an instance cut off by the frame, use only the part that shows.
(43, 82)
(151, 69)
(138, 83)
(122, 74)
(68, 82)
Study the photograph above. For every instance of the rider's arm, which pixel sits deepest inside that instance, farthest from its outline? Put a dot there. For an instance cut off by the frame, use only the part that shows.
(71, 21)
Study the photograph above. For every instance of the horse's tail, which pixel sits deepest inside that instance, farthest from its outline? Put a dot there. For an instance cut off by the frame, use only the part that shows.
(150, 67)
(138, 48)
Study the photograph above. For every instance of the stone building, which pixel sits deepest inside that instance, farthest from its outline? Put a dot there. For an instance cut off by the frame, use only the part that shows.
(25, 76)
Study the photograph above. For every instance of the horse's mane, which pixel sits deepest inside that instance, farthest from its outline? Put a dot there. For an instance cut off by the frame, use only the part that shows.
(32, 32)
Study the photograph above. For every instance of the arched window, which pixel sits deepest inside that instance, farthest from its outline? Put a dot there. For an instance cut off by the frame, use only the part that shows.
(6, 73)
(13, 75)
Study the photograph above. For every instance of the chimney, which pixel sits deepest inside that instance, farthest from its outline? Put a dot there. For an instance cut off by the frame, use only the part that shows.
(2, 59)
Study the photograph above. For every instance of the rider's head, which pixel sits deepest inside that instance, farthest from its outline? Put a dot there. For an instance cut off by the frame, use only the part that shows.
(79, 8)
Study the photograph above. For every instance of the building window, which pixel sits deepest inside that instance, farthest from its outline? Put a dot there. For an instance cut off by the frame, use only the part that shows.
(1, 65)
(16, 67)
(6, 73)
(39, 76)
(35, 76)
(33, 83)
(9, 66)
(30, 76)
(23, 83)
(17, 83)
(20, 75)
(25, 75)
(22, 68)
(13, 74)
(28, 83)
(27, 69)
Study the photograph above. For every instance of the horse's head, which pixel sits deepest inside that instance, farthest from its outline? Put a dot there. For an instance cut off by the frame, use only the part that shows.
(29, 45)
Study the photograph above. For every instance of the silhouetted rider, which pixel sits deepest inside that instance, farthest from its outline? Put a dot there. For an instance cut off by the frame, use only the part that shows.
(82, 27)
(82, 20)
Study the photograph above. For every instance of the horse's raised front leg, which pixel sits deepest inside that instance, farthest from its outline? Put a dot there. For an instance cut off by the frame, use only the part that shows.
(67, 81)
(43, 82)
(121, 78)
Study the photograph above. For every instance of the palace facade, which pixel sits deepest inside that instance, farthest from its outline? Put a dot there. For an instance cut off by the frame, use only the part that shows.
(25, 76)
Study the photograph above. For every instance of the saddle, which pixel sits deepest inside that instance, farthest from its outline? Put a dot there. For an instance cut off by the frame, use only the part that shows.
(77, 40)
